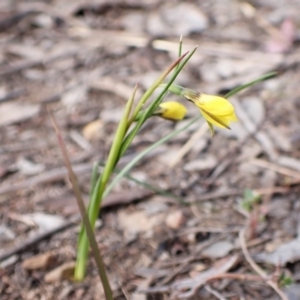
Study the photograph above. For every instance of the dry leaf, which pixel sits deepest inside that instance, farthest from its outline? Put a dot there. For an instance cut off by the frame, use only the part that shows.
(41, 261)
(65, 271)
(11, 113)
(286, 253)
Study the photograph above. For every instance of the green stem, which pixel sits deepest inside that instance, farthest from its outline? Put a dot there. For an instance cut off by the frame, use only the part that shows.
(127, 168)
(96, 196)
(152, 107)
(84, 216)
(153, 87)
(246, 85)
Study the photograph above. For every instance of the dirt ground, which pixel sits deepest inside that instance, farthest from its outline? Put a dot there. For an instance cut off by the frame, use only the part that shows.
(221, 218)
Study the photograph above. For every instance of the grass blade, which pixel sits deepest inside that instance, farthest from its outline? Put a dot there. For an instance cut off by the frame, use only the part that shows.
(148, 112)
(246, 85)
(84, 216)
(97, 194)
(127, 168)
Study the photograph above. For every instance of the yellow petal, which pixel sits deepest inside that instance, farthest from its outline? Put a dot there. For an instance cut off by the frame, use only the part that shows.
(171, 110)
(218, 121)
(216, 110)
(215, 105)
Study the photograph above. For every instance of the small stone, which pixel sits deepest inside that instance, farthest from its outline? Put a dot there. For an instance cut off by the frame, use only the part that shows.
(175, 219)
(199, 267)
(92, 130)
(43, 21)
(11, 113)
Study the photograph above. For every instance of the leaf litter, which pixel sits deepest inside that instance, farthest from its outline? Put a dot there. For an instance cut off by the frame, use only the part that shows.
(82, 60)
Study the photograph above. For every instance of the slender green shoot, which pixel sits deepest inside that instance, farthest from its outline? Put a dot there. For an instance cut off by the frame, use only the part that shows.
(148, 186)
(179, 51)
(134, 161)
(246, 85)
(152, 107)
(84, 216)
(96, 195)
(153, 87)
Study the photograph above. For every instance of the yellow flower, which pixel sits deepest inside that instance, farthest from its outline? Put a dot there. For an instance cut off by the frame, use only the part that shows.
(216, 110)
(171, 110)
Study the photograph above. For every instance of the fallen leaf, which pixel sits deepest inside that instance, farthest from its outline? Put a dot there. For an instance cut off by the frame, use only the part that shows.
(63, 272)
(41, 261)
(286, 253)
(218, 250)
(289, 162)
(137, 222)
(44, 222)
(28, 167)
(11, 113)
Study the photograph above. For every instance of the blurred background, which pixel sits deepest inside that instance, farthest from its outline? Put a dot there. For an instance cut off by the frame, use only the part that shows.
(81, 60)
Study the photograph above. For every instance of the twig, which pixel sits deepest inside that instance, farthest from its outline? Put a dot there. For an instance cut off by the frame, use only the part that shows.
(242, 277)
(257, 269)
(25, 64)
(214, 292)
(216, 195)
(236, 192)
(188, 287)
(274, 167)
(185, 264)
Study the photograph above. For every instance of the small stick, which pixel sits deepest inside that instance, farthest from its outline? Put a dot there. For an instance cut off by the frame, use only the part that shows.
(257, 269)
(214, 292)
(272, 166)
(242, 277)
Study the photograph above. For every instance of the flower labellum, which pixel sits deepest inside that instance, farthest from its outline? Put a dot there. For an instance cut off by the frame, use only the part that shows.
(171, 110)
(216, 110)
